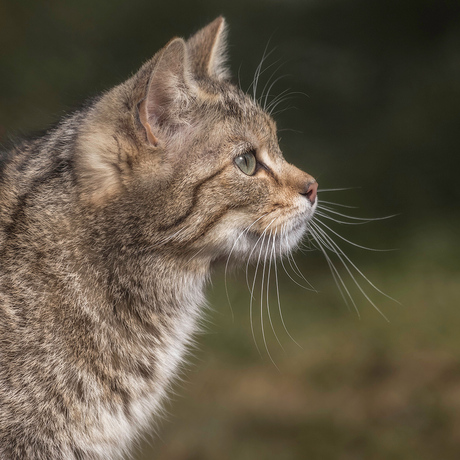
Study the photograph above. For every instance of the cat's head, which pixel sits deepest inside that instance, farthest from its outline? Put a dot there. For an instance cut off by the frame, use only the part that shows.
(194, 159)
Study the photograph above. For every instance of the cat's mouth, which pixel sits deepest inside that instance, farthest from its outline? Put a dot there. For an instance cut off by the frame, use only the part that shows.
(278, 239)
(300, 219)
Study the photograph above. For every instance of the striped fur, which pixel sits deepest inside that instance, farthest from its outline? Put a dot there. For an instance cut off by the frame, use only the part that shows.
(110, 225)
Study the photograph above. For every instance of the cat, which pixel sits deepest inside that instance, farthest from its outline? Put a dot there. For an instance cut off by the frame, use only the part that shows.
(110, 225)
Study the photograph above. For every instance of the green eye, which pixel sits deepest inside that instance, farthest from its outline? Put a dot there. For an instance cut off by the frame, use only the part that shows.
(247, 163)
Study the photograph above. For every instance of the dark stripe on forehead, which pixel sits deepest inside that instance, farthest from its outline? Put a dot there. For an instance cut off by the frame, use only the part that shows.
(194, 202)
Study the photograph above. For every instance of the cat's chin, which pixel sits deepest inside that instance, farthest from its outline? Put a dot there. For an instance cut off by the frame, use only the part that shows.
(294, 235)
(254, 247)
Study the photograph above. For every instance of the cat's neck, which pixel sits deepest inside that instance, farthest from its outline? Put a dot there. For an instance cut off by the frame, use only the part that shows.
(145, 281)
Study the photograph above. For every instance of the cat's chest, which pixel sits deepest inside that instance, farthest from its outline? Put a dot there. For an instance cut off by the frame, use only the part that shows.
(141, 381)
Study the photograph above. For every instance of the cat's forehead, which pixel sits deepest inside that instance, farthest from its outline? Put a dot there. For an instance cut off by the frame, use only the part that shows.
(246, 119)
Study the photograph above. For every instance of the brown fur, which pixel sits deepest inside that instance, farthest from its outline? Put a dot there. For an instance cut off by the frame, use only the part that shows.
(109, 227)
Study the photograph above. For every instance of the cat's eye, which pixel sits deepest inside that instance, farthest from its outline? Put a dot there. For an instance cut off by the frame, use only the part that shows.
(247, 163)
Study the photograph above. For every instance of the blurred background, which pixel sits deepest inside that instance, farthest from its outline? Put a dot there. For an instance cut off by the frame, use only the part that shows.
(376, 109)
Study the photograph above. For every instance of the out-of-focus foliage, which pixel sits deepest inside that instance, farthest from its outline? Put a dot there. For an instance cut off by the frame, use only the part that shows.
(377, 106)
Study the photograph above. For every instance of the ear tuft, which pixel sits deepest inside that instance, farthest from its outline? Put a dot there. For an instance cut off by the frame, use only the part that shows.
(208, 50)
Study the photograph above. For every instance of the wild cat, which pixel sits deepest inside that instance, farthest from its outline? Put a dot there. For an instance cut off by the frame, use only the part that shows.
(110, 225)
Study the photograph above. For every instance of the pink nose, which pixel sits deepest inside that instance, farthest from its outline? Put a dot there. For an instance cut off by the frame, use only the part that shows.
(310, 192)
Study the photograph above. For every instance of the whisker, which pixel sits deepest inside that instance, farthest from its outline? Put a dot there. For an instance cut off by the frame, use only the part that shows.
(339, 254)
(340, 251)
(308, 242)
(254, 282)
(252, 298)
(272, 255)
(259, 71)
(262, 302)
(267, 94)
(338, 204)
(278, 293)
(296, 269)
(290, 130)
(367, 219)
(335, 273)
(228, 260)
(285, 109)
(273, 106)
(336, 189)
(264, 92)
(239, 77)
(351, 242)
(283, 96)
(252, 251)
(319, 213)
(287, 273)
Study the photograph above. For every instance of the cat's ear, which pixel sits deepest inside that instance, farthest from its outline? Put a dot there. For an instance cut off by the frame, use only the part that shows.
(169, 92)
(208, 50)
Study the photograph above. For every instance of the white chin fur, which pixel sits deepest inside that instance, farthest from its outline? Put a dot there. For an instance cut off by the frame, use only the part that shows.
(235, 241)
(254, 247)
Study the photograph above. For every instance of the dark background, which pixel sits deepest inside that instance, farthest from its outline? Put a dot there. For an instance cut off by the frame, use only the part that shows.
(377, 107)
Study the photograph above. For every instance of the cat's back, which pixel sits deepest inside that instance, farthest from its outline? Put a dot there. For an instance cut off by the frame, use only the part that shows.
(35, 214)
(35, 175)
(37, 281)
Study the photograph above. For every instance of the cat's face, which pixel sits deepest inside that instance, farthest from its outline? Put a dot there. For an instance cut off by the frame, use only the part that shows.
(207, 171)
(249, 196)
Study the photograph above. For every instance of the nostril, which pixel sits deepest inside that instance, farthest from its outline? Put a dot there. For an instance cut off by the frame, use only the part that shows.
(311, 191)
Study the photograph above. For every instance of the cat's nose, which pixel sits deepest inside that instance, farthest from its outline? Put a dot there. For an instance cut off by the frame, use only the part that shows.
(310, 190)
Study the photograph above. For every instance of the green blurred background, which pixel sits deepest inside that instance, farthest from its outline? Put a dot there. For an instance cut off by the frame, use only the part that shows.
(380, 111)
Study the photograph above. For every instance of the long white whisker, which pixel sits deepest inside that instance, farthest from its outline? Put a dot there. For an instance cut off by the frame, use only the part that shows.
(280, 96)
(339, 254)
(252, 297)
(278, 291)
(342, 222)
(337, 189)
(229, 256)
(335, 273)
(273, 106)
(338, 204)
(367, 219)
(252, 251)
(285, 109)
(351, 242)
(254, 282)
(263, 94)
(296, 269)
(286, 271)
(259, 71)
(283, 96)
(262, 301)
(267, 94)
(272, 255)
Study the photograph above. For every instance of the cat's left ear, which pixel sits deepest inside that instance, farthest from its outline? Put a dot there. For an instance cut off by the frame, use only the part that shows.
(163, 111)
(208, 50)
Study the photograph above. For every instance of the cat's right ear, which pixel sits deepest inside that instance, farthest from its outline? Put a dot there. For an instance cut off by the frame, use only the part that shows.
(163, 110)
(208, 50)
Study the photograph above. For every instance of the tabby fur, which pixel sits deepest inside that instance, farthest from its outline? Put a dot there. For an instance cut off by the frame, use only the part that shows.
(110, 225)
